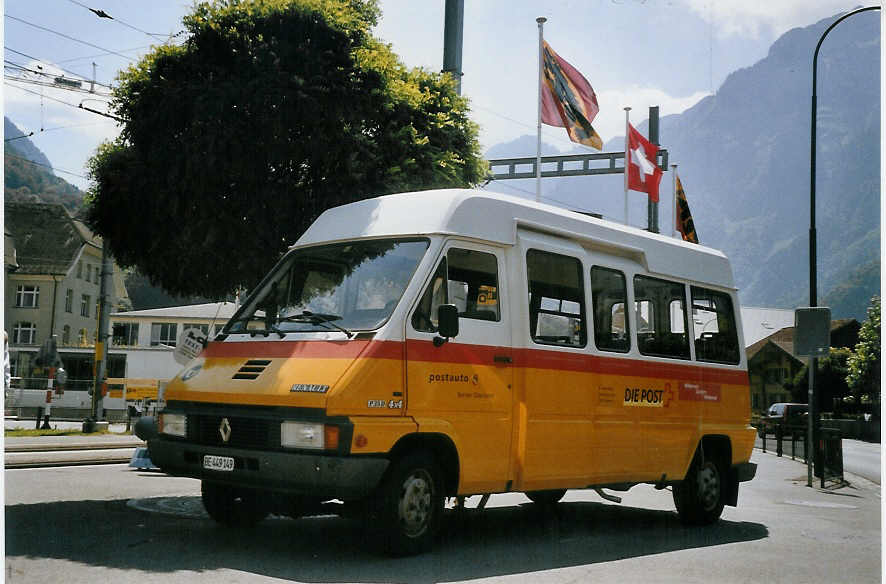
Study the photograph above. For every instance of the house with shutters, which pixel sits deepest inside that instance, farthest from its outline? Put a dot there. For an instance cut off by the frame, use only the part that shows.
(52, 263)
(772, 363)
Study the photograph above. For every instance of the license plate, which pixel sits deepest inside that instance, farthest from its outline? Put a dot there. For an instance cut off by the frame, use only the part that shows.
(223, 463)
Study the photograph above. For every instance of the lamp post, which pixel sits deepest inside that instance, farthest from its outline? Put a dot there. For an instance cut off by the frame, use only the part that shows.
(813, 261)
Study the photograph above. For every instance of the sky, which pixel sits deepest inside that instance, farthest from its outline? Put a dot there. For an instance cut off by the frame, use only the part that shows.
(636, 53)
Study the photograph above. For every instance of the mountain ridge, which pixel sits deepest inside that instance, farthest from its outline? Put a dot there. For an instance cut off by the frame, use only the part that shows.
(743, 156)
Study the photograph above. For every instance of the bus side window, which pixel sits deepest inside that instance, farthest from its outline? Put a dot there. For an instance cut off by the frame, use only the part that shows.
(556, 299)
(661, 318)
(609, 296)
(716, 337)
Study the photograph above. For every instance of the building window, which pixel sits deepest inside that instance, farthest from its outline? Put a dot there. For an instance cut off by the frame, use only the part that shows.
(27, 296)
(24, 333)
(84, 305)
(163, 333)
(98, 277)
(66, 335)
(88, 273)
(69, 300)
(204, 328)
(80, 270)
(125, 334)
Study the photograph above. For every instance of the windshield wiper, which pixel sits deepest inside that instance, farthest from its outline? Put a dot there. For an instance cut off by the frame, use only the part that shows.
(320, 319)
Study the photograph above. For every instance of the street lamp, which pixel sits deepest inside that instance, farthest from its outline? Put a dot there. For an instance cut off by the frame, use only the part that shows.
(813, 266)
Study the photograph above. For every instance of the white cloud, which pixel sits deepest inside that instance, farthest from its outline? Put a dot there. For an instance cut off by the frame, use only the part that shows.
(755, 17)
(610, 121)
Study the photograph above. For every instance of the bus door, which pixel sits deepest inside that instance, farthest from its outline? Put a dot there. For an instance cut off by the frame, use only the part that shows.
(616, 439)
(463, 387)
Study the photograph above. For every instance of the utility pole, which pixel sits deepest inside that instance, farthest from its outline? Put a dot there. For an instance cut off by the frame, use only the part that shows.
(651, 206)
(101, 354)
(453, 28)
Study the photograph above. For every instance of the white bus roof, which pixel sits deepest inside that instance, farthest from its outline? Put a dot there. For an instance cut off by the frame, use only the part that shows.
(496, 218)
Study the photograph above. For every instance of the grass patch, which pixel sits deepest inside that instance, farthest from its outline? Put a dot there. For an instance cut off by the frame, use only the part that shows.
(23, 433)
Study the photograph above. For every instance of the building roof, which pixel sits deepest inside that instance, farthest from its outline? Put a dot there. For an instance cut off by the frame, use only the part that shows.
(496, 218)
(220, 311)
(758, 323)
(784, 338)
(47, 239)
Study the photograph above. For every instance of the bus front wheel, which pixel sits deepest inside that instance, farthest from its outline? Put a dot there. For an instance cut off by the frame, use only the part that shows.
(699, 498)
(232, 507)
(411, 504)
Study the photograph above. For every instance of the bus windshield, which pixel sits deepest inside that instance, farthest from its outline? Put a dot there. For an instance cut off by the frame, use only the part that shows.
(352, 286)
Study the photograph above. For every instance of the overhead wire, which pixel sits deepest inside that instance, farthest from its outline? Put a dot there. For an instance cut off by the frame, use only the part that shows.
(52, 168)
(103, 14)
(69, 37)
(51, 64)
(67, 103)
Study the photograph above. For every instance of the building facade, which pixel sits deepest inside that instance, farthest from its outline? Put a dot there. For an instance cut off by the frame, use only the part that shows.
(52, 286)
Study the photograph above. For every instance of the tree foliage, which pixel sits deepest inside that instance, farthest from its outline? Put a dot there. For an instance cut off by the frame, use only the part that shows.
(830, 379)
(270, 112)
(864, 365)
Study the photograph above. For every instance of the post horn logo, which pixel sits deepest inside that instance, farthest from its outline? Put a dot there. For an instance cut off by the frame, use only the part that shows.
(224, 430)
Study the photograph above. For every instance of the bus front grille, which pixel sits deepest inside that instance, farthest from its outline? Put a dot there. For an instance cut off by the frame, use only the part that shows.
(239, 432)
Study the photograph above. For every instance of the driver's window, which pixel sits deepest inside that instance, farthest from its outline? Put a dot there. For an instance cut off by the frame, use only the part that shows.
(466, 278)
(425, 316)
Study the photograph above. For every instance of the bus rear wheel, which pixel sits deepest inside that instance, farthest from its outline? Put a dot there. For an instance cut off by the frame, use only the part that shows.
(699, 498)
(231, 506)
(549, 497)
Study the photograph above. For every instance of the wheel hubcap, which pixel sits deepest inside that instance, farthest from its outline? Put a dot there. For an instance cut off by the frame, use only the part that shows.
(709, 486)
(415, 503)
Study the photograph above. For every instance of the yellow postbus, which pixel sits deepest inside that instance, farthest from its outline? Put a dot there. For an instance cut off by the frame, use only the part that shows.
(437, 344)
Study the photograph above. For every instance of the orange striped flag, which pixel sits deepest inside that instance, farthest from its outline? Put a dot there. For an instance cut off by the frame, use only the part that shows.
(568, 100)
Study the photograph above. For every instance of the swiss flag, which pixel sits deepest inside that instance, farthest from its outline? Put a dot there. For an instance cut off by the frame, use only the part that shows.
(644, 174)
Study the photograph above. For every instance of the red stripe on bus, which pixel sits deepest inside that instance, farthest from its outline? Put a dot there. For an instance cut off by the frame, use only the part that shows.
(570, 361)
(306, 349)
(459, 353)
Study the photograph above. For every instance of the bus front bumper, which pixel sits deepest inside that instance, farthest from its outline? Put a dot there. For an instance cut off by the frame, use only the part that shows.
(745, 471)
(325, 476)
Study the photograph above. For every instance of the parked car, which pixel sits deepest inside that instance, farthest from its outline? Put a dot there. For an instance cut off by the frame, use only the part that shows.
(783, 417)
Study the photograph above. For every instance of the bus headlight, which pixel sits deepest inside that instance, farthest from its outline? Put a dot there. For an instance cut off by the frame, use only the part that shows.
(309, 435)
(173, 424)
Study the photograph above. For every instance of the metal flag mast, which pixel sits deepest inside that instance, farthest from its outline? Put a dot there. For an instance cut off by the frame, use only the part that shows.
(627, 157)
(541, 23)
(674, 206)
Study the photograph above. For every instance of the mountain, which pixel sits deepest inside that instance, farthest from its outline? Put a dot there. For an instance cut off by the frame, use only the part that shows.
(28, 173)
(743, 158)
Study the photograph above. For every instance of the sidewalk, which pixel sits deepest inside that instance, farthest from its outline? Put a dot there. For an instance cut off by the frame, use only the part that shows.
(29, 451)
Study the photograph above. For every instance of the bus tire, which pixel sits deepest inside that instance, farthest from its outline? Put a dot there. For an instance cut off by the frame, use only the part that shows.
(549, 497)
(232, 507)
(410, 505)
(700, 496)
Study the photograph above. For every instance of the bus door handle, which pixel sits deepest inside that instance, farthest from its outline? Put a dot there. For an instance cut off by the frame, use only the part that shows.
(502, 359)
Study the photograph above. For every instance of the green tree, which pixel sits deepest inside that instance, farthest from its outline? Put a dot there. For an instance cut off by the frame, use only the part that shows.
(830, 380)
(270, 112)
(863, 376)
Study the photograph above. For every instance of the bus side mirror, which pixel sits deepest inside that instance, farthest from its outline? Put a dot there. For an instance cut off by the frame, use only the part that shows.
(447, 317)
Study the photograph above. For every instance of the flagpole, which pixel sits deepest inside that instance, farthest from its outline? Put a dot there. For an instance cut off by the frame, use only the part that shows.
(627, 158)
(541, 22)
(674, 207)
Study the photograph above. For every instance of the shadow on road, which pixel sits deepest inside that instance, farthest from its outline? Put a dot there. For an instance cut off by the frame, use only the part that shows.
(498, 541)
